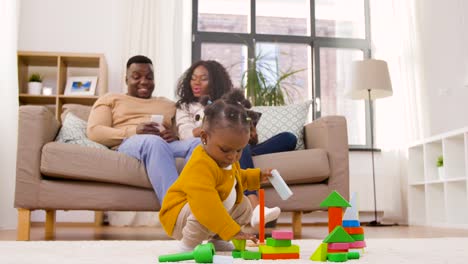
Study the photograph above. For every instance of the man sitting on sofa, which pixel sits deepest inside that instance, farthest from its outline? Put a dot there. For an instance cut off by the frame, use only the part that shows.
(124, 122)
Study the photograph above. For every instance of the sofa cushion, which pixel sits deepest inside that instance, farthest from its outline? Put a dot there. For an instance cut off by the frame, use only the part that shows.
(297, 167)
(77, 162)
(81, 111)
(73, 131)
(277, 119)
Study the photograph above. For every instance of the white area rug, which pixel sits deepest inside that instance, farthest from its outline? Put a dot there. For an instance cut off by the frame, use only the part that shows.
(381, 251)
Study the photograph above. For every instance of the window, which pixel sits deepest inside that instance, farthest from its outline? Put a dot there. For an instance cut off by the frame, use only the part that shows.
(317, 38)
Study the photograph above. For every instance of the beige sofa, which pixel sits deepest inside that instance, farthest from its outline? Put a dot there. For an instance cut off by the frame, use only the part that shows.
(54, 176)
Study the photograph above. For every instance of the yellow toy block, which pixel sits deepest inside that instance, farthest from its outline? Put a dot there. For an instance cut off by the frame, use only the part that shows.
(265, 249)
(320, 253)
(239, 244)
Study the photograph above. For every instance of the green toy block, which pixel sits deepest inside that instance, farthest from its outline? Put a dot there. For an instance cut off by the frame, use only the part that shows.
(358, 237)
(278, 242)
(334, 200)
(236, 254)
(320, 253)
(251, 255)
(278, 250)
(239, 244)
(354, 255)
(337, 257)
(338, 235)
(202, 253)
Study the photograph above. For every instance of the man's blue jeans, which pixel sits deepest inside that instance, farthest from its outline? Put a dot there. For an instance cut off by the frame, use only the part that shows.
(158, 156)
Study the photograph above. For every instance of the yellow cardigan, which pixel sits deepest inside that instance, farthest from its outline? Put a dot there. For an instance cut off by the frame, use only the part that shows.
(204, 185)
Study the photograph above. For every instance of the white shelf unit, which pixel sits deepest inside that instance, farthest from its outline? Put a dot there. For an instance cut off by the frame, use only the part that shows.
(433, 200)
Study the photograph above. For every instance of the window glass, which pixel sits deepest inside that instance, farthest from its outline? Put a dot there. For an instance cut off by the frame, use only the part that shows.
(276, 60)
(334, 71)
(281, 17)
(224, 15)
(231, 56)
(340, 18)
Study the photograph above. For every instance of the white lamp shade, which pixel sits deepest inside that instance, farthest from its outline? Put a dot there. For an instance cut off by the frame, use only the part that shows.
(369, 75)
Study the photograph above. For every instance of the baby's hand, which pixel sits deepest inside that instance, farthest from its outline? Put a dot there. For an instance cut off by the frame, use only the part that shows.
(246, 236)
(264, 175)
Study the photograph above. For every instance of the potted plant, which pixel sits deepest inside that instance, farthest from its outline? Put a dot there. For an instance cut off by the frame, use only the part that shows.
(440, 167)
(35, 84)
(263, 81)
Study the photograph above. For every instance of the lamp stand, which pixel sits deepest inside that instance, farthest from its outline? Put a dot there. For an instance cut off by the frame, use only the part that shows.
(375, 222)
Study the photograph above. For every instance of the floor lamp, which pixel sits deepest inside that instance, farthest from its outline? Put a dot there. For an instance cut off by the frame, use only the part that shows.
(370, 80)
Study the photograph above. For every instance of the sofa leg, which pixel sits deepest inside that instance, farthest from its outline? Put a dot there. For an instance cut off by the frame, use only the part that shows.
(24, 225)
(297, 224)
(98, 218)
(50, 225)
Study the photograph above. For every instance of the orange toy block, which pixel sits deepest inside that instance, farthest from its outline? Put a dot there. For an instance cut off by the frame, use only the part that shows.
(354, 230)
(335, 217)
(261, 200)
(281, 256)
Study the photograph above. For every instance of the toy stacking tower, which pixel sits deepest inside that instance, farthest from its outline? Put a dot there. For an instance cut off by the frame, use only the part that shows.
(279, 246)
(346, 236)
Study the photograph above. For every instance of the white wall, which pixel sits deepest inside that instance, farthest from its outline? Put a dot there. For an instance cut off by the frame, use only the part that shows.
(442, 26)
(76, 26)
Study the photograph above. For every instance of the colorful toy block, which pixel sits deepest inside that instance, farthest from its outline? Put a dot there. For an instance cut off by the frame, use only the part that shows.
(282, 234)
(202, 253)
(320, 254)
(337, 257)
(239, 244)
(352, 213)
(338, 246)
(358, 237)
(334, 200)
(337, 250)
(354, 230)
(251, 255)
(264, 249)
(354, 255)
(358, 244)
(281, 256)
(335, 219)
(261, 231)
(351, 223)
(236, 254)
(278, 242)
(338, 235)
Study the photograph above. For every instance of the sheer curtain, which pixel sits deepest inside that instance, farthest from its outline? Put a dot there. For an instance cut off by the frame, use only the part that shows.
(161, 30)
(9, 110)
(399, 117)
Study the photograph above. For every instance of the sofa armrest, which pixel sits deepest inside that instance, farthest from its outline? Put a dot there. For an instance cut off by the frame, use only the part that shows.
(36, 127)
(330, 133)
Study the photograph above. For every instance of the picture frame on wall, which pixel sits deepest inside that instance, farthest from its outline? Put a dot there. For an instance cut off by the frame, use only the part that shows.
(82, 85)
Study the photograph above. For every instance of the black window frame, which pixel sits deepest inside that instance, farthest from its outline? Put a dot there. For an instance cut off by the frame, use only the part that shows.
(315, 42)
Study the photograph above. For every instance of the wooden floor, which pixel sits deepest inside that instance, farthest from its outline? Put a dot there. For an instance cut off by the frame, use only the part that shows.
(66, 231)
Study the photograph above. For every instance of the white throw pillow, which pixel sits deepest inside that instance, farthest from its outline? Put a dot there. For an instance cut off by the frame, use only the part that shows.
(73, 131)
(285, 118)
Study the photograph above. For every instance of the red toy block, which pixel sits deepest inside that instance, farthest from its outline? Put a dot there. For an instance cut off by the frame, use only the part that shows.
(337, 250)
(281, 256)
(354, 230)
(261, 231)
(282, 234)
(335, 217)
